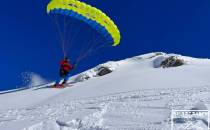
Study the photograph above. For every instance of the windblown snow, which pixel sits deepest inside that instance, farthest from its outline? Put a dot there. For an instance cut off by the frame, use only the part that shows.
(137, 95)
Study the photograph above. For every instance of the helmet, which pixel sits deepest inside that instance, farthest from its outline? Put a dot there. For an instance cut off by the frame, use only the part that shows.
(66, 59)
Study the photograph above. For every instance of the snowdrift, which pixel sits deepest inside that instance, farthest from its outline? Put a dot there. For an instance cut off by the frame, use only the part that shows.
(137, 93)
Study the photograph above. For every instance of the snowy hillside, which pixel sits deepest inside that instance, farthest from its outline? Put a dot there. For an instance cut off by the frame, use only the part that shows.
(138, 94)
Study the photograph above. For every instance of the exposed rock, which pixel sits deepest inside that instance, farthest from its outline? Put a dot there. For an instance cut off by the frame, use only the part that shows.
(172, 61)
(81, 78)
(159, 53)
(155, 55)
(103, 71)
(157, 62)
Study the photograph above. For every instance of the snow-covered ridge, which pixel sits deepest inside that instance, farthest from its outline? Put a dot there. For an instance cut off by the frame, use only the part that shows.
(137, 94)
(155, 59)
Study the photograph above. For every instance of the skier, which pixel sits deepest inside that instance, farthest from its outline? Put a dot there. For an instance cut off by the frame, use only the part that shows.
(65, 68)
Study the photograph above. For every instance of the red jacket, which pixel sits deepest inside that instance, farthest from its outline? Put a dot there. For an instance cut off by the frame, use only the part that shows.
(66, 66)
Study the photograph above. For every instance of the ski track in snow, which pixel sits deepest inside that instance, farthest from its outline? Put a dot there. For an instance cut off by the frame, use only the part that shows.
(133, 109)
(145, 109)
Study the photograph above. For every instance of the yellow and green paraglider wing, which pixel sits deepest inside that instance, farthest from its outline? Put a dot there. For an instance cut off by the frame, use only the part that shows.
(90, 15)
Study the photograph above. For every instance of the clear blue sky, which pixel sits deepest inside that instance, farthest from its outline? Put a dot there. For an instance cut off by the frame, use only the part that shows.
(29, 42)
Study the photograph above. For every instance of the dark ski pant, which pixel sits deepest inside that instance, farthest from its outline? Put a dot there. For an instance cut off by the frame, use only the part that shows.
(64, 75)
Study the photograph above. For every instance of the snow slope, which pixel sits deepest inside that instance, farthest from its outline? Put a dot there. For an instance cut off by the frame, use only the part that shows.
(137, 95)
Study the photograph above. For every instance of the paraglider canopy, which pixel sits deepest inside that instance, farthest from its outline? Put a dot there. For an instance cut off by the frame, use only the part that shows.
(71, 10)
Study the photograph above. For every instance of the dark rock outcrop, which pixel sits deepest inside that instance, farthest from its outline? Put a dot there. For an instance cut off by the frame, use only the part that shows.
(103, 71)
(172, 61)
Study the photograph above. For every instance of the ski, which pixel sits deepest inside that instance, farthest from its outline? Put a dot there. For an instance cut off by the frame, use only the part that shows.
(61, 86)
